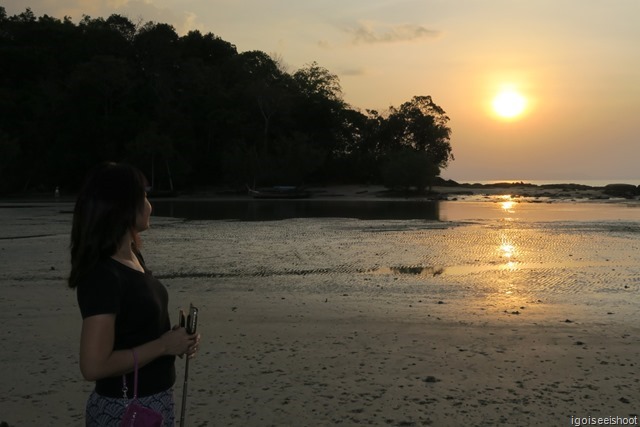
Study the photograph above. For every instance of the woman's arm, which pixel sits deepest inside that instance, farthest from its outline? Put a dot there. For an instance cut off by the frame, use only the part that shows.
(99, 360)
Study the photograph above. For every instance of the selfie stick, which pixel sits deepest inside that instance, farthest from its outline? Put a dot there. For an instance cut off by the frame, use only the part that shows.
(184, 393)
(192, 321)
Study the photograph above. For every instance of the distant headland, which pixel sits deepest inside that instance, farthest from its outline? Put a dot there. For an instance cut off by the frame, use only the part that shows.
(553, 191)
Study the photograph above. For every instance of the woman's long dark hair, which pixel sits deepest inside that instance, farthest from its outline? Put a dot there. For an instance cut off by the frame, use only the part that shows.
(105, 211)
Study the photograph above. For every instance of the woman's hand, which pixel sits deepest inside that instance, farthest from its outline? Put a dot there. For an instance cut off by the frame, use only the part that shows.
(177, 342)
(193, 348)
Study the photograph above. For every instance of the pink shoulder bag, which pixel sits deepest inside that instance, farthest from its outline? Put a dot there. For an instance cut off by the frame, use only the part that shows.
(137, 415)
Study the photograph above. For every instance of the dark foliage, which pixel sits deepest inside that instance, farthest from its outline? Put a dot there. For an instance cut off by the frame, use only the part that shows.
(189, 111)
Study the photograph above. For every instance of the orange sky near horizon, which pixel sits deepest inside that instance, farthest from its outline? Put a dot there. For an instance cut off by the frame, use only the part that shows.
(576, 63)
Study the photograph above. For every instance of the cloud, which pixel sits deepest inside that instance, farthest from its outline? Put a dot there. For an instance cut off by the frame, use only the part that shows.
(352, 72)
(369, 33)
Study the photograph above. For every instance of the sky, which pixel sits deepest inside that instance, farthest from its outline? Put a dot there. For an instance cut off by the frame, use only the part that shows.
(573, 64)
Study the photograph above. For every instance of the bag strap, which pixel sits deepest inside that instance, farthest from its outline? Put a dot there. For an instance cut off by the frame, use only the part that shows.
(135, 373)
(135, 377)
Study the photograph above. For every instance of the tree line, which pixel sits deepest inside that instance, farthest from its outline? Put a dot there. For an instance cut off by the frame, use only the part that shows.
(192, 111)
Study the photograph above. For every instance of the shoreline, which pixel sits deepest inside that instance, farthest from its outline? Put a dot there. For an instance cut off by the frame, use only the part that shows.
(476, 192)
(450, 191)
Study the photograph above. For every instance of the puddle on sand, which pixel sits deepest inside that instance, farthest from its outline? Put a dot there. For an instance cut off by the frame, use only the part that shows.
(509, 266)
(410, 269)
(455, 270)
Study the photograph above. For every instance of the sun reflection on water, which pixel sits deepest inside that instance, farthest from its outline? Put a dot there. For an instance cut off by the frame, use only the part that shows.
(507, 204)
(507, 250)
(510, 266)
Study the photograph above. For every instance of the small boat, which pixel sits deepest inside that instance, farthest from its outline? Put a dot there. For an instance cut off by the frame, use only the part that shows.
(279, 192)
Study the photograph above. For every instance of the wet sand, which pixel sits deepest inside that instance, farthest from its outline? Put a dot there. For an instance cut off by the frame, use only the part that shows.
(341, 321)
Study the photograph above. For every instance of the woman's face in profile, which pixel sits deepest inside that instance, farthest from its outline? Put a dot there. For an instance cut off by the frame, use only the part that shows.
(142, 221)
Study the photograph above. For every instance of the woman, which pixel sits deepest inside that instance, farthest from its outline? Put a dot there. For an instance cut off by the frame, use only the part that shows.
(124, 308)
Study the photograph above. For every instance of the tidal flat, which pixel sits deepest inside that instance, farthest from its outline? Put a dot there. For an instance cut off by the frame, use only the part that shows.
(516, 314)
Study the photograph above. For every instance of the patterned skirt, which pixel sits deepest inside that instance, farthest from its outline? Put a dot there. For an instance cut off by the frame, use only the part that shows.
(108, 411)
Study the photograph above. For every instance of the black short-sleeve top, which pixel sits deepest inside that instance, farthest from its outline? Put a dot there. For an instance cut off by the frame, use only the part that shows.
(140, 304)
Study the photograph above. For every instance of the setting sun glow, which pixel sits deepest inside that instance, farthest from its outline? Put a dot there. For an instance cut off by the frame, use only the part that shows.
(509, 104)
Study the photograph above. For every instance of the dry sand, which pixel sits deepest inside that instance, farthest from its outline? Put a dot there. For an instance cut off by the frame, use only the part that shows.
(347, 322)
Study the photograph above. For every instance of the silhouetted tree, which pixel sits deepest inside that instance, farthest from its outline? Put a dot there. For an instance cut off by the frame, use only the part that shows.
(422, 125)
(317, 112)
(408, 168)
(188, 110)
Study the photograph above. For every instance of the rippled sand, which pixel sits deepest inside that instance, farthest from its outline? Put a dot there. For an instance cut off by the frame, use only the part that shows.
(550, 261)
(499, 319)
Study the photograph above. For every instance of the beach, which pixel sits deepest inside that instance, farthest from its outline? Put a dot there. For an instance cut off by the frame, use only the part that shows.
(499, 319)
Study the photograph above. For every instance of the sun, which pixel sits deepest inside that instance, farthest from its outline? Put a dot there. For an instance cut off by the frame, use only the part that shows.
(509, 104)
